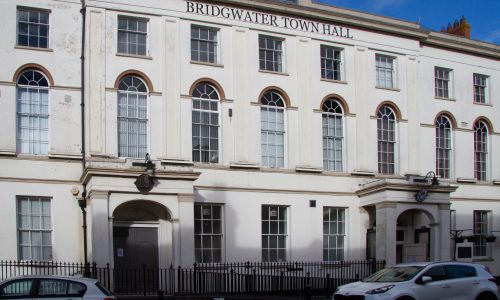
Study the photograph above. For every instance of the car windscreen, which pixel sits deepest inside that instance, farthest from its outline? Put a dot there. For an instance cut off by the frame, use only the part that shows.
(394, 274)
(103, 289)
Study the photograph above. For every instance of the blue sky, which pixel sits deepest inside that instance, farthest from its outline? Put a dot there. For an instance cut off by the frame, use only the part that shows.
(484, 15)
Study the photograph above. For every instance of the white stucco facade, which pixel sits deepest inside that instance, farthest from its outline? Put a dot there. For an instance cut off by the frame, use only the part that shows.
(83, 134)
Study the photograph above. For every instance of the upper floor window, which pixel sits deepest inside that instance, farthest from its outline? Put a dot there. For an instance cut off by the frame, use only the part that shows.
(385, 71)
(274, 233)
(205, 125)
(32, 113)
(204, 44)
(480, 88)
(334, 230)
(443, 147)
(442, 79)
(386, 136)
(333, 135)
(271, 53)
(480, 230)
(34, 228)
(132, 35)
(272, 114)
(480, 149)
(32, 28)
(132, 117)
(208, 233)
(331, 63)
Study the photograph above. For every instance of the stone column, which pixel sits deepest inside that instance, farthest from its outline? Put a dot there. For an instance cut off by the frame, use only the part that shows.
(386, 218)
(99, 235)
(185, 230)
(443, 232)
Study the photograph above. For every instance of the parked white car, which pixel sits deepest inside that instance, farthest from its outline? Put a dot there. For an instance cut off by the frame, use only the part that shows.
(53, 287)
(424, 281)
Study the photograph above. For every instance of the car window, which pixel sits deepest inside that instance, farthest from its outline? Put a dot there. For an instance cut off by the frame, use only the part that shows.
(18, 288)
(436, 273)
(103, 289)
(394, 274)
(459, 271)
(57, 287)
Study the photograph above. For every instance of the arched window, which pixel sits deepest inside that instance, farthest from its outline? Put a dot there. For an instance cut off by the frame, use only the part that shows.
(272, 114)
(386, 134)
(205, 124)
(32, 113)
(132, 117)
(480, 149)
(443, 147)
(333, 135)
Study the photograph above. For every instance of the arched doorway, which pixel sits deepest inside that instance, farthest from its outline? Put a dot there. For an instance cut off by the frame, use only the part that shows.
(141, 242)
(413, 236)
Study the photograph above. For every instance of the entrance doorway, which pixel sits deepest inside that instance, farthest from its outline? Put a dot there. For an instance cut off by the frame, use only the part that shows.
(135, 247)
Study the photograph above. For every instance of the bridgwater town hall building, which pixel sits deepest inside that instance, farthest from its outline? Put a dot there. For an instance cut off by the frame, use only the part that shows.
(187, 131)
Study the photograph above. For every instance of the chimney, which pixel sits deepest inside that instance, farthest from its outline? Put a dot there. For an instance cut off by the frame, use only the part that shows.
(461, 28)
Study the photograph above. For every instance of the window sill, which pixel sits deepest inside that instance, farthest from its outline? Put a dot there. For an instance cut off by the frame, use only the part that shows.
(483, 104)
(479, 259)
(134, 56)
(195, 62)
(333, 81)
(34, 48)
(388, 89)
(466, 180)
(443, 98)
(273, 72)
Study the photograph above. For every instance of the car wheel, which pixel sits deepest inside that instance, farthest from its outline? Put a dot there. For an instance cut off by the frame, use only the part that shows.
(486, 296)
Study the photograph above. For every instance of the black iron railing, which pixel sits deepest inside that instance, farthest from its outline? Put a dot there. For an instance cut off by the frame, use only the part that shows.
(209, 279)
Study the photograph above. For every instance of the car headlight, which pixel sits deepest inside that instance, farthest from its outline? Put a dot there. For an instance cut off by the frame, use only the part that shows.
(380, 290)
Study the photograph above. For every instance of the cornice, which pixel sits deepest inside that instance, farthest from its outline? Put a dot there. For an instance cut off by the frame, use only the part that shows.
(133, 173)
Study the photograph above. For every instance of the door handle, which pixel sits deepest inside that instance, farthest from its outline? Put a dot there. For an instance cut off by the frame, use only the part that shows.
(475, 282)
(446, 286)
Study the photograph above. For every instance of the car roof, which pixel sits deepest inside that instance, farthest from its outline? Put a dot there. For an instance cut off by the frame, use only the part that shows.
(427, 263)
(73, 278)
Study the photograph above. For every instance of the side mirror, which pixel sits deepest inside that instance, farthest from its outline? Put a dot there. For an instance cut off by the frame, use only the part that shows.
(424, 279)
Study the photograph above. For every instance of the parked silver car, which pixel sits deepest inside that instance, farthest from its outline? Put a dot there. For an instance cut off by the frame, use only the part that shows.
(53, 287)
(424, 281)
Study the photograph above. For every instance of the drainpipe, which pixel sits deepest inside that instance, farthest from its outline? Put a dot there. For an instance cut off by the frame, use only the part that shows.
(83, 204)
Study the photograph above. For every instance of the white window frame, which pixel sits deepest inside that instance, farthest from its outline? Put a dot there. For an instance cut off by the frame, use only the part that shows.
(269, 132)
(18, 21)
(394, 142)
(199, 245)
(484, 151)
(333, 234)
(33, 111)
(484, 88)
(282, 52)
(440, 92)
(329, 114)
(267, 235)
(201, 111)
(481, 233)
(133, 120)
(341, 60)
(128, 32)
(384, 69)
(44, 232)
(447, 173)
(216, 43)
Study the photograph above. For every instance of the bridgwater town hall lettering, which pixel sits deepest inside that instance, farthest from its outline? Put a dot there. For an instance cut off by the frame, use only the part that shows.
(267, 19)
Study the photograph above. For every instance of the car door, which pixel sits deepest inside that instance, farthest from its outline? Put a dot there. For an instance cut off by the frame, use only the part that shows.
(20, 289)
(58, 289)
(462, 281)
(435, 289)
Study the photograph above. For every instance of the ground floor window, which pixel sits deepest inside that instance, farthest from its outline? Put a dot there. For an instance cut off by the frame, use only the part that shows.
(274, 233)
(34, 228)
(333, 233)
(208, 233)
(480, 231)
